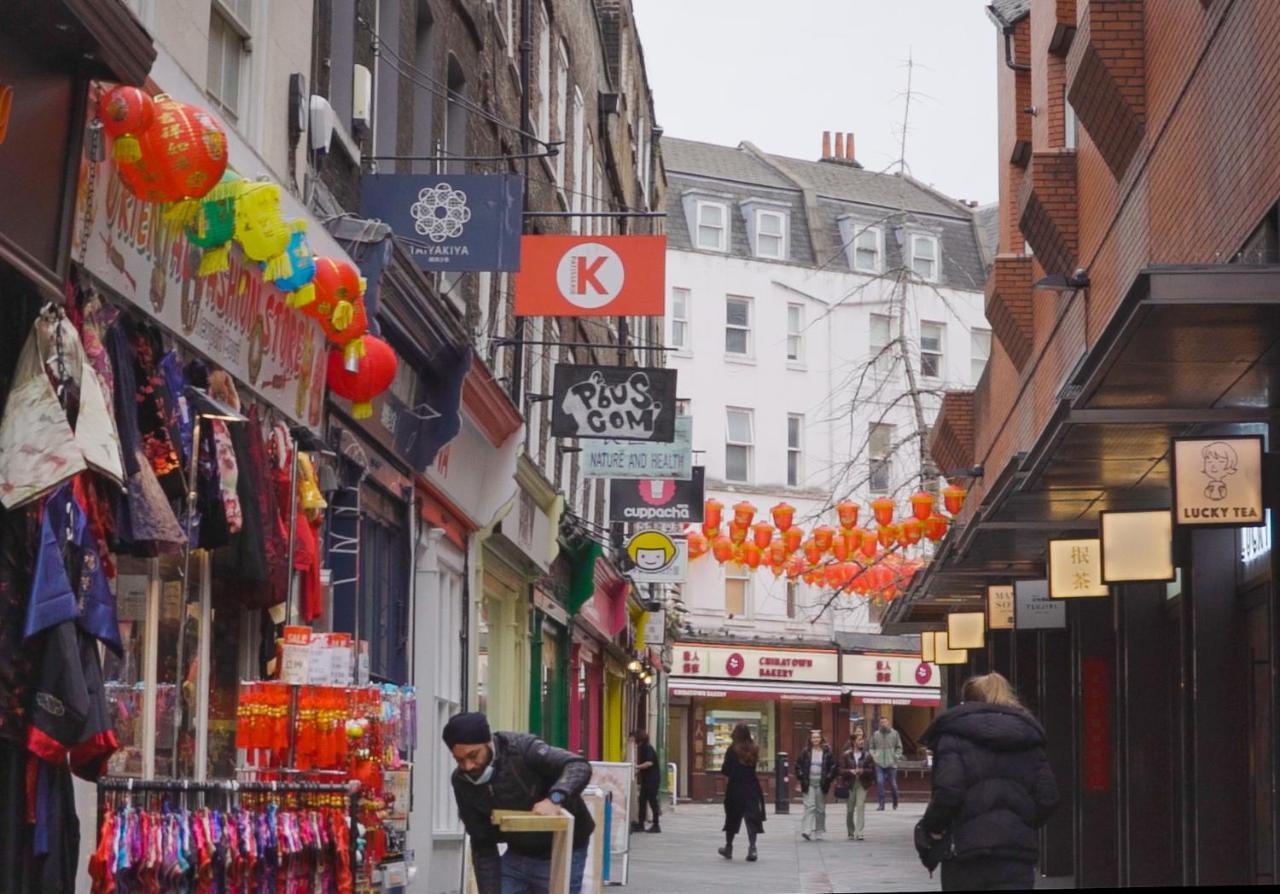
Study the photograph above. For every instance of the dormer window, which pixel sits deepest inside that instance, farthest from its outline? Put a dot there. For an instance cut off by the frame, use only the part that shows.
(863, 244)
(924, 257)
(712, 226)
(771, 235)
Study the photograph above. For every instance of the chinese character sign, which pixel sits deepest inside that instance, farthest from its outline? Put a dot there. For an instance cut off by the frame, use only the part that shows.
(1075, 569)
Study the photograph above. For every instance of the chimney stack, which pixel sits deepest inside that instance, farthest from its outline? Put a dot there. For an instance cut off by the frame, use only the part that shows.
(826, 144)
(839, 145)
(848, 147)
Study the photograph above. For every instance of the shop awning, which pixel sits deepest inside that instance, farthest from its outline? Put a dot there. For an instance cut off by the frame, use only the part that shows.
(753, 689)
(894, 695)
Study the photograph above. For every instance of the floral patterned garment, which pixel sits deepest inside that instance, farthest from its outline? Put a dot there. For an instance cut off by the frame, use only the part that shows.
(155, 414)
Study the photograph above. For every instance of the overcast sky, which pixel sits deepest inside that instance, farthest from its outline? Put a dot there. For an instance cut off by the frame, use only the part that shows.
(780, 72)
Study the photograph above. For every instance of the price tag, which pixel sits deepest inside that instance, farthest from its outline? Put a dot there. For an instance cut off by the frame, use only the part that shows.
(131, 596)
(171, 601)
(340, 669)
(295, 667)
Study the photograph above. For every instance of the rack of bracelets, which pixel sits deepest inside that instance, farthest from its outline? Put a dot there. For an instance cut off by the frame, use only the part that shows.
(280, 836)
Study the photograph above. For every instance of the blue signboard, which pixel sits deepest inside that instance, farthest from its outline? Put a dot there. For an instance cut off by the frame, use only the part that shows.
(450, 221)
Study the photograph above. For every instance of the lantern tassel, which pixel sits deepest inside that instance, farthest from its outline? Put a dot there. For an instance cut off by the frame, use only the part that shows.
(126, 150)
(302, 297)
(215, 260)
(361, 410)
(342, 315)
(278, 267)
(183, 213)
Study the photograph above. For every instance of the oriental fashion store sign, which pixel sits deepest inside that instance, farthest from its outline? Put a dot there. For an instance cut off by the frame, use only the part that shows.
(234, 318)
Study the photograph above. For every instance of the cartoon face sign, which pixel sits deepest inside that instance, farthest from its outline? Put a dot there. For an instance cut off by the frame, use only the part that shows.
(651, 551)
(1220, 460)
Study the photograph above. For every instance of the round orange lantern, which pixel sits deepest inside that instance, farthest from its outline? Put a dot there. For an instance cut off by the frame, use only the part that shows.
(792, 537)
(883, 510)
(711, 532)
(737, 553)
(795, 567)
(840, 548)
(822, 535)
(812, 551)
(886, 534)
(853, 537)
(374, 376)
(777, 553)
(847, 511)
(813, 578)
(922, 504)
(125, 113)
(181, 156)
(751, 556)
(953, 498)
(339, 306)
(783, 514)
(911, 531)
(744, 512)
(722, 549)
(698, 545)
(762, 533)
(935, 527)
(711, 512)
(860, 581)
(833, 573)
(737, 532)
(868, 546)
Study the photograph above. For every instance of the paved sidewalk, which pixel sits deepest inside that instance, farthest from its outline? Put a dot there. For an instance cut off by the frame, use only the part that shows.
(683, 859)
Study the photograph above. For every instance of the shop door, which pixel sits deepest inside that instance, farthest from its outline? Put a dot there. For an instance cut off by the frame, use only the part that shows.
(384, 585)
(804, 720)
(678, 747)
(1261, 706)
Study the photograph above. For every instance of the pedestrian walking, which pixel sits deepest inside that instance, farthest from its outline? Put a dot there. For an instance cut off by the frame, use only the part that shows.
(992, 789)
(743, 797)
(649, 775)
(515, 771)
(886, 748)
(816, 769)
(857, 766)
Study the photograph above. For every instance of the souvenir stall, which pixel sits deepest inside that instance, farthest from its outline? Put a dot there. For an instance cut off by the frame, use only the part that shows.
(161, 483)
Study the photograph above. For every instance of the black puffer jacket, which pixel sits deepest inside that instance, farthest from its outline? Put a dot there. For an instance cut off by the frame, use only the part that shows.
(992, 786)
(526, 770)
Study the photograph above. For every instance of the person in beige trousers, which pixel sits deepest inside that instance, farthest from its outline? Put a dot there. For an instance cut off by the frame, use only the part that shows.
(858, 768)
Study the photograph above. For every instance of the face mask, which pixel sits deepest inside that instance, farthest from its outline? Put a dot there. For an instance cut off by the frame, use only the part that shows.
(484, 777)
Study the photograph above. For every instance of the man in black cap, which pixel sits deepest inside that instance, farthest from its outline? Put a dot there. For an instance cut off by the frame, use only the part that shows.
(515, 771)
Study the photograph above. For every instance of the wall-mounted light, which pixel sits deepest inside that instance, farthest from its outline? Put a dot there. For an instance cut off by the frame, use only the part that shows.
(926, 645)
(1137, 546)
(634, 666)
(943, 654)
(966, 630)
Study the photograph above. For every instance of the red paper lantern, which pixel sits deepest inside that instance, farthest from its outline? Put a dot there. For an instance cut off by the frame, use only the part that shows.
(339, 305)
(751, 556)
(182, 155)
(833, 574)
(711, 532)
(698, 545)
(795, 567)
(738, 554)
(812, 551)
(783, 515)
(737, 532)
(847, 511)
(722, 549)
(792, 537)
(777, 553)
(375, 375)
(822, 535)
(868, 546)
(953, 498)
(883, 510)
(840, 548)
(922, 504)
(744, 512)
(126, 112)
(886, 534)
(911, 530)
(853, 538)
(762, 533)
(813, 578)
(935, 527)
(711, 513)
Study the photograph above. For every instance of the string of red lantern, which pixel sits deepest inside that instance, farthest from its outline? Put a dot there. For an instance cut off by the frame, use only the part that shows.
(869, 563)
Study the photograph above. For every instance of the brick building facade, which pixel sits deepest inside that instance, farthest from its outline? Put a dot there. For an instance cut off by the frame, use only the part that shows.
(1133, 299)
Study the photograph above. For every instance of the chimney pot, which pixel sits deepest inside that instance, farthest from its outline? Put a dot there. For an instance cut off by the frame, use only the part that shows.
(848, 146)
(839, 145)
(826, 144)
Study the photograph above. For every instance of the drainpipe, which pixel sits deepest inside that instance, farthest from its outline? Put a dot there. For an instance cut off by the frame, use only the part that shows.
(1006, 28)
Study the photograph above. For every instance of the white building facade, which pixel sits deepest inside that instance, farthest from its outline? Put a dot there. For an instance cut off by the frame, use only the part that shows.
(799, 293)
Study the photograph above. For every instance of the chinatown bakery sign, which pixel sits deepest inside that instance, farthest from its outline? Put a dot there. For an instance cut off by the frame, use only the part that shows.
(733, 662)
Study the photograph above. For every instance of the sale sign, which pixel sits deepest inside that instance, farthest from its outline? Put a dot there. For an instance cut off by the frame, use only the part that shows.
(583, 276)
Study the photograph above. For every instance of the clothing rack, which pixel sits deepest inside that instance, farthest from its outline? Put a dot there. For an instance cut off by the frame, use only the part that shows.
(233, 787)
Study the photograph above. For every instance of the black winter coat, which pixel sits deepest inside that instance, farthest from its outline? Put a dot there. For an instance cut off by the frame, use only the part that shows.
(828, 768)
(867, 764)
(992, 785)
(743, 796)
(526, 770)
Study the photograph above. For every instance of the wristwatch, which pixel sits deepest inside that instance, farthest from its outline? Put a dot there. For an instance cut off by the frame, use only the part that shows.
(556, 798)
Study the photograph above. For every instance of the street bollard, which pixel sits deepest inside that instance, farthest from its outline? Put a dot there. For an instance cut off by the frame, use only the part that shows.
(782, 784)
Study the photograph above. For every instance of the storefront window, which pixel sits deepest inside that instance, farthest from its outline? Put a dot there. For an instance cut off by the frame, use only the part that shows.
(758, 716)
